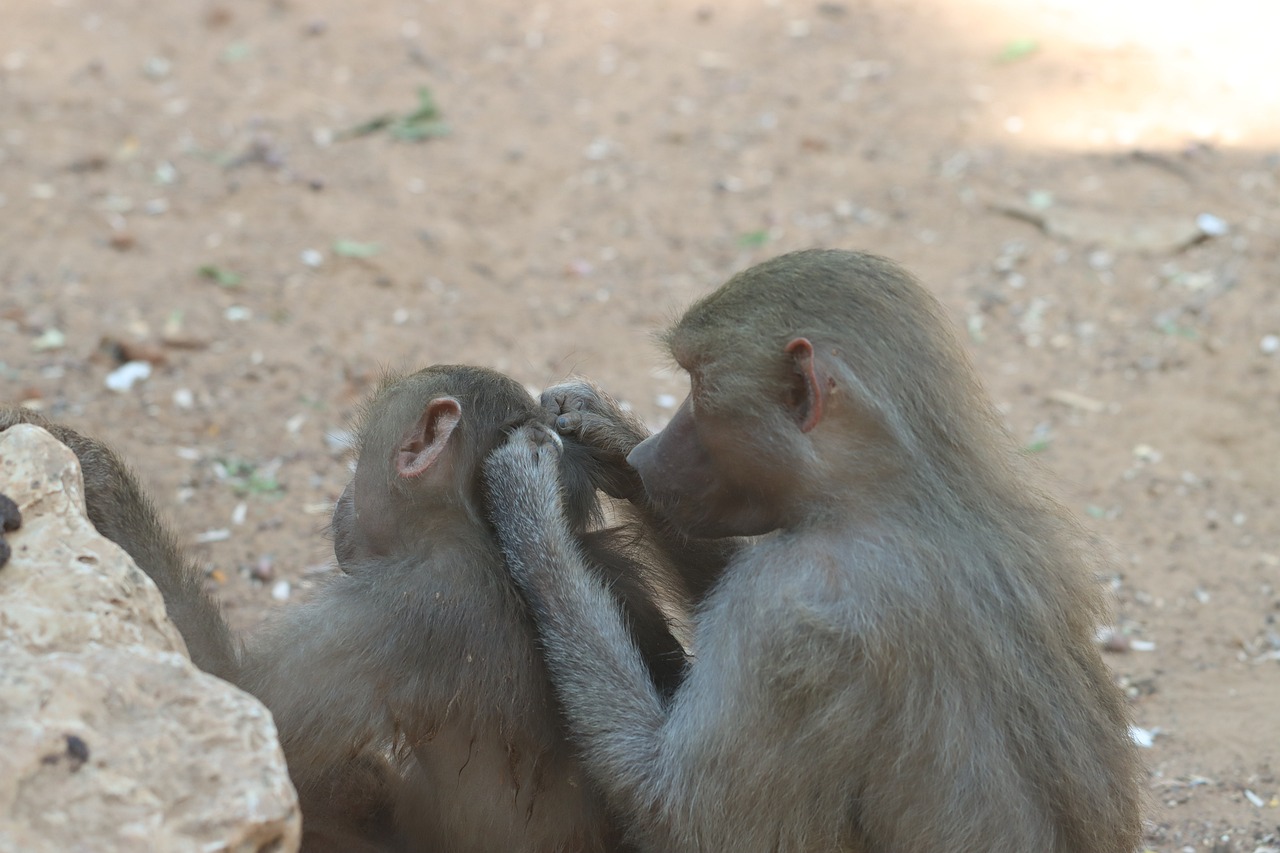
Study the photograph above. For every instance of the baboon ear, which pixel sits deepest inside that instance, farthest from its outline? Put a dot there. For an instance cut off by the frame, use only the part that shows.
(422, 445)
(807, 393)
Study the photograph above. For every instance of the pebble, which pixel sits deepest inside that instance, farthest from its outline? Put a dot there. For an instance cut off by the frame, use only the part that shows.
(1270, 344)
(312, 258)
(598, 150)
(1146, 453)
(1144, 738)
(165, 173)
(1100, 260)
(264, 570)
(666, 401)
(51, 339)
(157, 67)
(126, 375)
(281, 590)
(1212, 226)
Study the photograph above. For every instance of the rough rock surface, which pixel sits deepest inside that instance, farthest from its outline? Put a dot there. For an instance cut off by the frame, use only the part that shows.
(112, 739)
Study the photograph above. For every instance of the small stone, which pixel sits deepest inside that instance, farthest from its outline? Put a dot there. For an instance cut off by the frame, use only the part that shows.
(1270, 344)
(165, 173)
(1147, 453)
(51, 339)
(121, 241)
(263, 570)
(157, 68)
(126, 375)
(1212, 226)
(598, 150)
(281, 591)
(311, 257)
(1144, 738)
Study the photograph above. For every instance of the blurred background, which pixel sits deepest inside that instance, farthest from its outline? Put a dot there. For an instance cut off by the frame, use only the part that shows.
(220, 222)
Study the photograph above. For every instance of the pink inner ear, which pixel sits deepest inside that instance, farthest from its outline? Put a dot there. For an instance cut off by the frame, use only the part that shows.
(810, 407)
(427, 439)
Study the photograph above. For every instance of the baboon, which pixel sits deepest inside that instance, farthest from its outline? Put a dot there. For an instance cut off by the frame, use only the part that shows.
(903, 661)
(409, 693)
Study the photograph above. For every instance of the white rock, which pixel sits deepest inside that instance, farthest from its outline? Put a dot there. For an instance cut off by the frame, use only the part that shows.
(127, 375)
(1145, 738)
(113, 740)
(1212, 226)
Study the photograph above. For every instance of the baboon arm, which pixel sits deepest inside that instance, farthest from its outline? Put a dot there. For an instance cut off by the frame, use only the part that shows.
(322, 671)
(645, 755)
(714, 769)
(615, 713)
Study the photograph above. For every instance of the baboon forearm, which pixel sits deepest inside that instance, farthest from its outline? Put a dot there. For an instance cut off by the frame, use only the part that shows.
(603, 684)
(321, 698)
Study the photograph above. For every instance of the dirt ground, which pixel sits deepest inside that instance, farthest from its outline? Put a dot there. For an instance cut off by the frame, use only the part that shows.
(248, 197)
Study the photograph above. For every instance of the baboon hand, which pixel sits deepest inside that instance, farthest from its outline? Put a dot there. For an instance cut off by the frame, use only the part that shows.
(593, 417)
(523, 479)
(10, 519)
(589, 416)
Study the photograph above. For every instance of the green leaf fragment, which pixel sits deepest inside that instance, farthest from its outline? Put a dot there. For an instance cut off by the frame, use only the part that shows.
(355, 249)
(224, 277)
(423, 122)
(1017, 49)
(237, 51)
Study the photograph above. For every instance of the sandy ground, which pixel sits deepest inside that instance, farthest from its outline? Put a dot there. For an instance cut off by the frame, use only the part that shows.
(203, 186)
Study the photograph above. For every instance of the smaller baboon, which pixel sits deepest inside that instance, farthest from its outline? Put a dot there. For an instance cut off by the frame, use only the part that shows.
(410, 695)
(902, 661)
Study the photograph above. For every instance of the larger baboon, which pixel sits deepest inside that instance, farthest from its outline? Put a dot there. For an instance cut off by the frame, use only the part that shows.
(903, 662)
